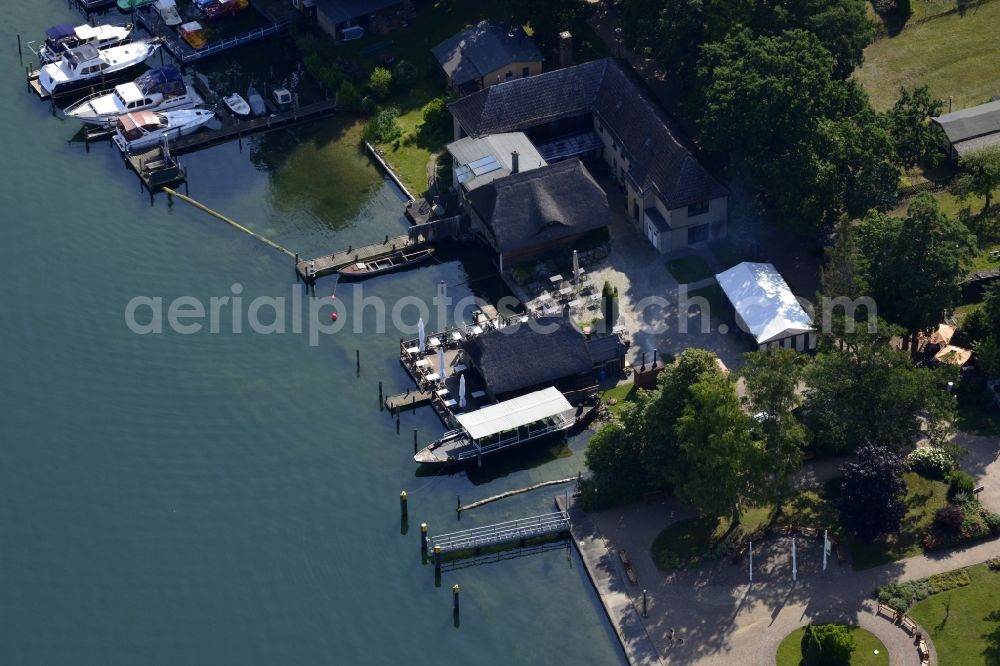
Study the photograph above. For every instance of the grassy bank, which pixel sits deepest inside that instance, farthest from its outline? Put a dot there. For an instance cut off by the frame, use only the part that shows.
(865, 646)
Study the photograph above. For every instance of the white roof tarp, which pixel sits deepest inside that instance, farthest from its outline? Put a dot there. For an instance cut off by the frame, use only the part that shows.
(514, 413)
(764, 302)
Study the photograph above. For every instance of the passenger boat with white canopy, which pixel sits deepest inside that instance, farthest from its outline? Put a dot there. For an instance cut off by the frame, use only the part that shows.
(501, 426)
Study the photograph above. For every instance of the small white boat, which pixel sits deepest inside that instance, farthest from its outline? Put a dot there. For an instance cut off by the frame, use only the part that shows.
(282, 98)
(85, 65)
(159, 89)
(237, 105)
(167, 9)
(145, 129)
(62, 38)
(256, 102)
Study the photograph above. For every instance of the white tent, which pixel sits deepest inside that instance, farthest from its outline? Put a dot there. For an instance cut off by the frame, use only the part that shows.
(766, 307)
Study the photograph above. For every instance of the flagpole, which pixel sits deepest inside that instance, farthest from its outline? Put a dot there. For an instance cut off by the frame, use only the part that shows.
(826, 548)
(751, 561)
(795, 571)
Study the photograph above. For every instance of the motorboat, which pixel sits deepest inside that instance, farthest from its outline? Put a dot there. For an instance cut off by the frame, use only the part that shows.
(192, 33)
(256, 102)
(282, 98)
(167, 9)
(129, 6)
(145, 129)
(61, 38)
(237, 105)
(493, 428)
(219, 8)
(86, 64)
(160, 89)
(385, 264)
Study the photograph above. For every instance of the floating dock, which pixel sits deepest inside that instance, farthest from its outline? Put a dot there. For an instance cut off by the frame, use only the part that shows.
(408, 400)
(510, 532)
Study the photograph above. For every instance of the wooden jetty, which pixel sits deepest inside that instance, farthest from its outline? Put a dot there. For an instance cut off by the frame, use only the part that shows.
(499, 534)
(156, 169)
(331, 263)
(408, 400)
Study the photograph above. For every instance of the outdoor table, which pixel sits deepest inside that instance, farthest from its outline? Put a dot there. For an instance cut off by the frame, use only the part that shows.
(433, 377)
(422, 362)
(450, 403)
(456, 336)
(477, 329)
(413, 350)
(442, 392)
(460, 367)
(575, 303)
(556, 279)
(565, 291)
(433, 342)
(553, 310)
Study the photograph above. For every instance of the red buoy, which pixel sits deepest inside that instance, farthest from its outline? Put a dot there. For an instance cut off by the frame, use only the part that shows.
(333, 317)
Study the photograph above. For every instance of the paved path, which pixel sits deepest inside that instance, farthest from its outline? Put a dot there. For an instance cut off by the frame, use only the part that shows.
(712, 615)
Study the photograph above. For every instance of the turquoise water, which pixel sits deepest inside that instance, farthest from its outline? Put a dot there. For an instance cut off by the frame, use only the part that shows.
(229, 498)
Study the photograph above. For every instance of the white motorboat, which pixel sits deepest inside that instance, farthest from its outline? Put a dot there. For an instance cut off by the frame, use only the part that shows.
(237, 105)
(62, 38)
(256, 102)
(145, 129)
(167, 9)
(159, 89)
(85, 65)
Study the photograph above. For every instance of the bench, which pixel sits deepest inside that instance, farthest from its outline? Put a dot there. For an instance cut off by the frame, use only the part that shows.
(890, 612)
(925, 654)
(627, 563)
(907, 623)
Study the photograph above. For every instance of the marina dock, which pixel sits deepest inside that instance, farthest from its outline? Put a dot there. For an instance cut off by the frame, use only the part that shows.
(331, 263)
(408, 400)
(509, 532)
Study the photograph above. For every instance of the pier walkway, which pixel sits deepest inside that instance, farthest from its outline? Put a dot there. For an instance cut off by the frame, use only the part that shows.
(331, 263)
(512, 531)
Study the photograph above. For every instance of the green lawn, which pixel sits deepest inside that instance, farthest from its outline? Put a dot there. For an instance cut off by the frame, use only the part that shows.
(622, 394)
(923, 497)
(865, 645)
(964, 623)
(685, 542)
(955, 55)
(689, 269)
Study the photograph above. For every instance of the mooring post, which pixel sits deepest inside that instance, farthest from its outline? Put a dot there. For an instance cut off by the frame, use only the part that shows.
(397, 420)
(357, 359)
(20, 56)
(414, 441)
(644, 602)
(437, 559)
(458, 503)
(423, 538)
(381, 401)
(454, 597)
(402, 504)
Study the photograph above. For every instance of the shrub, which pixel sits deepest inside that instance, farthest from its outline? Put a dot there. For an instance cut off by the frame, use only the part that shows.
(975, 326)
(436, 119)
(930, 462)
(827, 645)
(902, 595)
(383, 128)
(973, 527)
(960, 482)
(992, 521)
(949, 518)
(380, 81)
(948, 580)
(993, 563)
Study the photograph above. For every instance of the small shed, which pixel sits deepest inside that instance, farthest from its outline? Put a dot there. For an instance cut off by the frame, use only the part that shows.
(972, 129)
(766, 308)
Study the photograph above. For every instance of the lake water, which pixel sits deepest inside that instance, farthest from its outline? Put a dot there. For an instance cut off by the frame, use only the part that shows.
(225, 498)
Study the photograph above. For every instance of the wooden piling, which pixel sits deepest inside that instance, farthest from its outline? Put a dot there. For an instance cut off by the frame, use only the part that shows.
(414, 441)
(357, 360)
(423, 538)
(402, 504)
(454, 597)
(437, 559)
(381, 400)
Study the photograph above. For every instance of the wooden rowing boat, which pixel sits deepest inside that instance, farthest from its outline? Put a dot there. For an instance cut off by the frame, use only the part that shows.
(386, 263)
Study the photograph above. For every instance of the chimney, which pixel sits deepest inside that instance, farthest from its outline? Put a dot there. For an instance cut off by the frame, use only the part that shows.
(514, 167)
(565, 49)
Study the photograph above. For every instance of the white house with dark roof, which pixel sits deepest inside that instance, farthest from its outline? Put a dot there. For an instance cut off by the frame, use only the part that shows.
(972, 129)
(487, 53)
(601, 108)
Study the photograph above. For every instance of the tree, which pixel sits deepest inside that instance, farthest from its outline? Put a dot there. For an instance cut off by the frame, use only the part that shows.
(872, 493)
(720, 468)
(404, 75)
(384, 127)
(860, 391)
(916, 139)
(980, 175)
(670, 33)
(827, 645)
(860, 152)
(349, 98)
(912, 266)
(615, 457)
(772, 379)
(380, 81)
(991, 306)
(988, 357)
